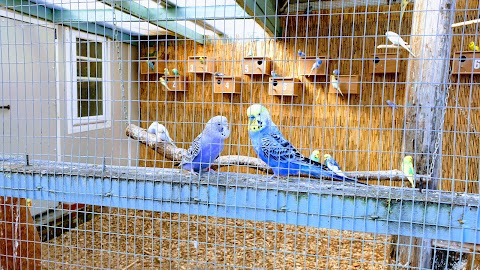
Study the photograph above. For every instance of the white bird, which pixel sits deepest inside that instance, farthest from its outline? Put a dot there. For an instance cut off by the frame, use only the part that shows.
(161, 133)
(335, 82)
(397, 40)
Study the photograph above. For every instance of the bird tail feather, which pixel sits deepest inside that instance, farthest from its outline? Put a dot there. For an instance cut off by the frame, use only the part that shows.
(320, 173)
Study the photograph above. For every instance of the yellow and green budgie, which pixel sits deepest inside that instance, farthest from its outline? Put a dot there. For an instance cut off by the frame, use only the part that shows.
(408, 170)
(473, 47)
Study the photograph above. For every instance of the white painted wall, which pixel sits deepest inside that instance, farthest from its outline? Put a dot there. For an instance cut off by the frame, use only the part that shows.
(34, 82)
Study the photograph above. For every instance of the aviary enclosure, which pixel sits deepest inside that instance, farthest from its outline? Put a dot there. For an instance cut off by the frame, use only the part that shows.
(224, 134)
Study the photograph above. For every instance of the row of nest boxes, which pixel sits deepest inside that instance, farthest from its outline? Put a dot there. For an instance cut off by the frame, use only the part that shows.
(222, 85)
(464, 63)
(263, 65)
(277, 86)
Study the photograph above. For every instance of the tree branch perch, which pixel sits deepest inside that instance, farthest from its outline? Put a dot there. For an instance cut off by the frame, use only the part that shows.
(174, 153)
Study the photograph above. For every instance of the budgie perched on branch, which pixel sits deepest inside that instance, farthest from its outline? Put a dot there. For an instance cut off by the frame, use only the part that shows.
(398, 40)
(315, 156)
(335, 81)
(207, 146)
(280, 155)
(333, 165)
(160, 132)
(408, 170)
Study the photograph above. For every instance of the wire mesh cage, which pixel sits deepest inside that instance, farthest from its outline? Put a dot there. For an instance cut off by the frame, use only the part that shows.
(222, 134)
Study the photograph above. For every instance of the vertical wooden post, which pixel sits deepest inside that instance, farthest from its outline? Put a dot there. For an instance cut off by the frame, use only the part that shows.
(427, 85)
(20, 245)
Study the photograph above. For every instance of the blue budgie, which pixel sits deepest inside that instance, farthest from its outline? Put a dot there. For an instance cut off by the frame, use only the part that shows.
(280, 155)
(207, 146)
(301, 54)
(151, 65)
(391, 104)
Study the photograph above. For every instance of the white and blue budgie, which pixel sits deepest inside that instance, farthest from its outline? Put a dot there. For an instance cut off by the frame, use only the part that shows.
(335, 81)
(315, 66)
(161, 133)
(207, 146)
(301, 54)
(280, 155)
(332, 164)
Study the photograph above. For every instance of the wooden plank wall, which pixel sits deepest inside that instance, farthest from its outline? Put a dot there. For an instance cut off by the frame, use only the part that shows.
(361, 131)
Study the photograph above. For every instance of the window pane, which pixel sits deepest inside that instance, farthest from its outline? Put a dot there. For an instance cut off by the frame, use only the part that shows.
(82, 47)
(96, 50)
(90, 99)
(82, 69)
(96, 69)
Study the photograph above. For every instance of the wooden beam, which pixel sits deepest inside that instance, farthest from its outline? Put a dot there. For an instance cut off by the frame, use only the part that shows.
(153, 14)
(228, 12)
(48, 14)
(426, 89)
(29, 8)
(137, 10)
(295, 7)
(381, 210)
(265, 13)
(69, 16)
(94, 28)
(20, 245)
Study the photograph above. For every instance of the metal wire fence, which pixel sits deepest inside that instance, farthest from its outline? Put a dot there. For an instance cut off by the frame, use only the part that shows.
(347, 140)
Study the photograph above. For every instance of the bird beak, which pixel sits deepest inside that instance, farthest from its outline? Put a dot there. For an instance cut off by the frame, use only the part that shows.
(251, 119)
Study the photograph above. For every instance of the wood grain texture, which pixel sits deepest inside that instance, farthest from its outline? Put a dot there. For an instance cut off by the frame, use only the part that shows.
(20, 245)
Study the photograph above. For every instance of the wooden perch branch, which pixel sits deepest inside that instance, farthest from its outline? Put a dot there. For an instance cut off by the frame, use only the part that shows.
(165, 149)
(391, 46)
(465, 23)
(172, 152)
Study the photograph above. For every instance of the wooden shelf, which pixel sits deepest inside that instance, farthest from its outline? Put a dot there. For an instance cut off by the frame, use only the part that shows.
(227, 85)
(257, 65)
(466, 62)
(195, 66)
(384, 63)
(176, 83)
(349, 85)
(304, 65)
(281, 86)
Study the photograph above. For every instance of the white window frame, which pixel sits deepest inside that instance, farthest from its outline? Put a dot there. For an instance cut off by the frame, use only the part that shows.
(87, 123)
